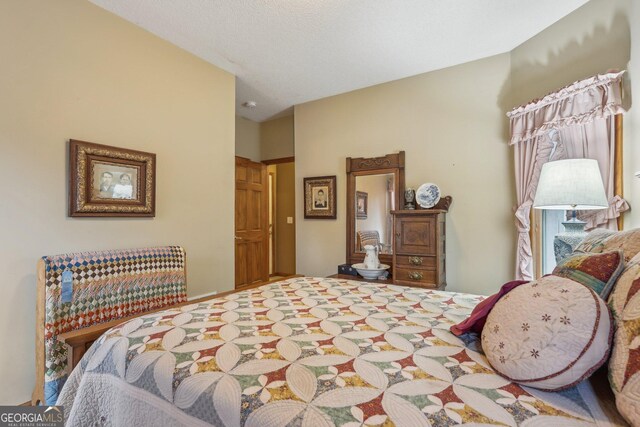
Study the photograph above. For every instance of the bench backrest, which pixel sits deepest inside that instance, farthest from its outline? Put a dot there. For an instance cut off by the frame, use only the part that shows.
(82, 289)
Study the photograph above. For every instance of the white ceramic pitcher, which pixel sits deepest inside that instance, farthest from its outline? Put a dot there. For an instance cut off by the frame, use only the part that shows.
(371, 258)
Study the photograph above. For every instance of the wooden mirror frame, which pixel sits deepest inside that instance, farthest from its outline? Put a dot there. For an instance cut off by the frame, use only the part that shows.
(362, 166)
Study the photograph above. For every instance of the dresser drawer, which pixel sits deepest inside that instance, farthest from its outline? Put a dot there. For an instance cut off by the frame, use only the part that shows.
(418, 261)
(416, 235)
(415, 276)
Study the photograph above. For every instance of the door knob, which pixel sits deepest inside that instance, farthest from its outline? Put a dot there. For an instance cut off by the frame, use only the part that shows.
(238, 238)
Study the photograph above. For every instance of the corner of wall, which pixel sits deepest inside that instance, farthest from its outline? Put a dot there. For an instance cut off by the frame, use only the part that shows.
(248, 139)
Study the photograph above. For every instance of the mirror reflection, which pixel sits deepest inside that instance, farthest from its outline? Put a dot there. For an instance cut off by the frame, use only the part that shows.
(374, 201)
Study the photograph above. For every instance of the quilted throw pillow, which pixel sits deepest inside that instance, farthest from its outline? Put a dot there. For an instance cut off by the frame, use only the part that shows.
(627, 241)
(597, 271)
(620, 294)
(548, 334)
(593, 242)
(624, 366)
(598, 241)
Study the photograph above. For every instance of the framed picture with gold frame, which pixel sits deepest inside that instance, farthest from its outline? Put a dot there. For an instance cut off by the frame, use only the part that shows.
(362, 204)
(320, 197)
(106, 181)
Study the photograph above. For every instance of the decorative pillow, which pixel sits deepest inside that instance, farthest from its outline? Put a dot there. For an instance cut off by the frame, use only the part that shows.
(598, 241)
(624, 366)
(593, 243)
(620, 294)
(597, 271)
(548, 334)
(626, 241)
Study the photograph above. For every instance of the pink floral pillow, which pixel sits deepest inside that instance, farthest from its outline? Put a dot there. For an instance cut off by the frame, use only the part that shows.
(548, 334)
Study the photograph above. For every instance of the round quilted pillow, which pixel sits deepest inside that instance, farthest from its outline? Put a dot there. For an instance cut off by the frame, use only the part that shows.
(549, 334)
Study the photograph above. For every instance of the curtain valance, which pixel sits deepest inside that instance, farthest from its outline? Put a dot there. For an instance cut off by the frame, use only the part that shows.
(599, 96)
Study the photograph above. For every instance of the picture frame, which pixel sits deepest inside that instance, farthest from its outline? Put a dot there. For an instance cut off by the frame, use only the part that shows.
(362, 204)
(320, 197)
(106, 181)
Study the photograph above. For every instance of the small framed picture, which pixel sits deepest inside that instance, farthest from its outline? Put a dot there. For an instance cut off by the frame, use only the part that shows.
(320, 197)
(361, 204)
(109, 181)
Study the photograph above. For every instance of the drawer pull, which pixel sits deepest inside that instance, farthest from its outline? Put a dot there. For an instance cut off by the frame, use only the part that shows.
(414, 275)
(415, 260)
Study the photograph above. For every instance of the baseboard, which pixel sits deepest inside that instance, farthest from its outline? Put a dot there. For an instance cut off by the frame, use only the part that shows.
(210, 294)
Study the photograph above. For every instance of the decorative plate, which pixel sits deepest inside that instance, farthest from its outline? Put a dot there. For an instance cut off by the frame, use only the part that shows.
(428, 195)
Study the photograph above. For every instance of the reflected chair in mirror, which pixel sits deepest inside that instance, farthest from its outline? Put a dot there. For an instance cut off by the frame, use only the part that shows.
(371, 237)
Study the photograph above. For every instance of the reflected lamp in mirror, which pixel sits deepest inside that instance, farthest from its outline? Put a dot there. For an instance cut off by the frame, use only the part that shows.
(572, 184)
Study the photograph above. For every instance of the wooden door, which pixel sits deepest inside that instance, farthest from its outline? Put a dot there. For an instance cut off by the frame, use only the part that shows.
(252, 224)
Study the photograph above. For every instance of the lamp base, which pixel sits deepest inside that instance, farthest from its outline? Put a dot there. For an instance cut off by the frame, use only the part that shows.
(564, 243)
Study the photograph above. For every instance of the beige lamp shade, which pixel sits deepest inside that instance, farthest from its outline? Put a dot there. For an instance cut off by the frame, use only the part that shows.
(570, 184)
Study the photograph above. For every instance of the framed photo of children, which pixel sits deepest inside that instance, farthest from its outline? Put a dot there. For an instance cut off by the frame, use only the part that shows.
(320, 197)
(109, 181)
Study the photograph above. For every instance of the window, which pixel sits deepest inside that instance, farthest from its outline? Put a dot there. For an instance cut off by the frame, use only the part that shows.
(545, 224)
(551, 225)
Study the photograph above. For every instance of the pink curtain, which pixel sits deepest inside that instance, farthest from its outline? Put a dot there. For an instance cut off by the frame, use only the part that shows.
(596, 140)
(539, 133)
(529, 159)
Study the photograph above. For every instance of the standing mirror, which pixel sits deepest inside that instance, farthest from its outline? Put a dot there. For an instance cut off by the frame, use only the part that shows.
(374, 189)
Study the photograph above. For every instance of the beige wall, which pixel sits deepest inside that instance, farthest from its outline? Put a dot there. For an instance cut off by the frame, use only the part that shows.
(450, 123)
(276, 138)
(72, 70)
(599, 36)
(248, 139)
(285, 207)
(591, 40)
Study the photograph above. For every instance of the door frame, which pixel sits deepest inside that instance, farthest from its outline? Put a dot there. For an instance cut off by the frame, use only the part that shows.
(272, 202)
(270, 162)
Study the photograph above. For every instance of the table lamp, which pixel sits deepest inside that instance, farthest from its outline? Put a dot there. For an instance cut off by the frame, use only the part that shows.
(573, 184)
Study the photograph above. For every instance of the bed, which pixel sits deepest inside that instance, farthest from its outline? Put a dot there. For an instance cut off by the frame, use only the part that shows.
(311, 352)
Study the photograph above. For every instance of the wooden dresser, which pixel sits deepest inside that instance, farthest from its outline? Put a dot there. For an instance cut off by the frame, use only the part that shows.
(419, 249)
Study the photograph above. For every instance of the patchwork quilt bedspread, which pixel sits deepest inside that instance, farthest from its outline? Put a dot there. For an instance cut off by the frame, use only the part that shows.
(310, 352)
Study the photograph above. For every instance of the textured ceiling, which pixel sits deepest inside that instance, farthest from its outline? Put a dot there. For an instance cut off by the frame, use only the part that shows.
(286, 52)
